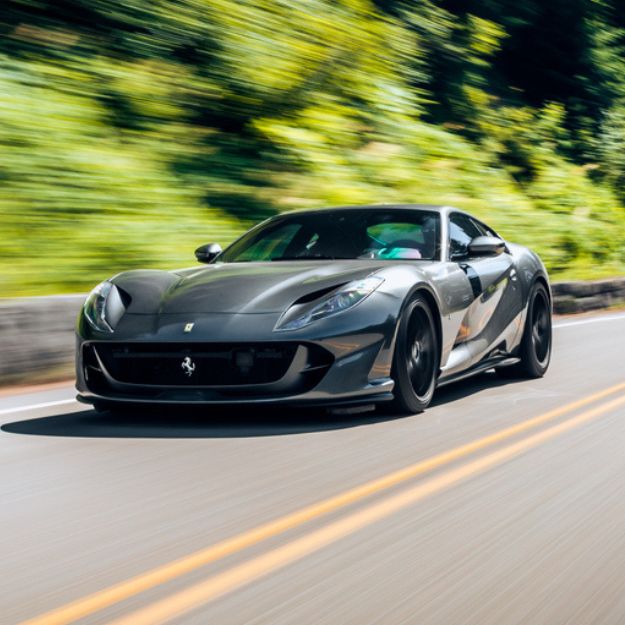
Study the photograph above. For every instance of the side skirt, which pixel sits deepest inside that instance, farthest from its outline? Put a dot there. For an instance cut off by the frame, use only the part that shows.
(485, 365)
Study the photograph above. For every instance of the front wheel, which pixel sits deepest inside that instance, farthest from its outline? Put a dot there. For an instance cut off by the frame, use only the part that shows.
(535, 350)
(416, 358)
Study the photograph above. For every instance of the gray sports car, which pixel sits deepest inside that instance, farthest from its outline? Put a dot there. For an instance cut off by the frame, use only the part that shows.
(342, 306)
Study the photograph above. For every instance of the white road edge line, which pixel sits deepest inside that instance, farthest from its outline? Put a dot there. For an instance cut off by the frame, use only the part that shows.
(47, 404)
(568, 324)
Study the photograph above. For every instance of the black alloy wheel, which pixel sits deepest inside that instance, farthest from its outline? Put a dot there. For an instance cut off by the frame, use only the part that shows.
(416, 359)
(541, 328)
(535, 348)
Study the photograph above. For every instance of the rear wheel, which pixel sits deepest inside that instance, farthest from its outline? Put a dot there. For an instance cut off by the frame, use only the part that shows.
(535, 350)
(416, 358)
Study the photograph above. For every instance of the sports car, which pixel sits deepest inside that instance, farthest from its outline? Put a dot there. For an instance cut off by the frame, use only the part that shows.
(349, 306)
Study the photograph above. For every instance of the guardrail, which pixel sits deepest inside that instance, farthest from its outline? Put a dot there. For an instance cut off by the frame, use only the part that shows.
(37, 333)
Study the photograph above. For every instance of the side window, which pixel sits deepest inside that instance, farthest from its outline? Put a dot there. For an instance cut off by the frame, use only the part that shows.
(484, 229)
(462, 230)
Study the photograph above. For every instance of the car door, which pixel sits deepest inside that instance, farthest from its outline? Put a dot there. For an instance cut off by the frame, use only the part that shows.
(497, 298)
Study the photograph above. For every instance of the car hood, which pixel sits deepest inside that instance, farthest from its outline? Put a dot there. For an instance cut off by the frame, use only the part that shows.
(237, 287)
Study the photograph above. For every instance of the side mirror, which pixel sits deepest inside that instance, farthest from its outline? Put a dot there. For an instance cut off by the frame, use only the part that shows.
(206, 253)
(486, 246)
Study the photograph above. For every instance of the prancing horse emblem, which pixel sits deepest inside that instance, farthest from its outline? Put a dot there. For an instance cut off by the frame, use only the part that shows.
(188, 366)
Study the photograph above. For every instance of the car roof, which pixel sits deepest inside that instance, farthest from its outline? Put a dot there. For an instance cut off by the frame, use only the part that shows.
(437, 208)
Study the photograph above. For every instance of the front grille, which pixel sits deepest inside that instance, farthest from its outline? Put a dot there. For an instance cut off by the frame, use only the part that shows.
(203, 364)
(220, 371)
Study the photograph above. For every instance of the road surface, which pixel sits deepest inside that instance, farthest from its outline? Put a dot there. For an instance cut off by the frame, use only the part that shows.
(502, 504)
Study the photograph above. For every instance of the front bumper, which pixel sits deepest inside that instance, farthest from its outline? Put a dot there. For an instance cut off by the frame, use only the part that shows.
(143, 364)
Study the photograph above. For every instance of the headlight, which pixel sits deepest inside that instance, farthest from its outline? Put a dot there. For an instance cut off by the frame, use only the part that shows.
(104, 307)
(343, 299)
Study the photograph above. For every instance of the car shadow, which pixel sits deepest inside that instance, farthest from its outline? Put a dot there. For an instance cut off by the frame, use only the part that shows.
(471, 386)
(235, 422)
(184, 423)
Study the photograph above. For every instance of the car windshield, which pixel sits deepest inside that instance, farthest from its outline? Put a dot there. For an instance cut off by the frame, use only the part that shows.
(377, 234)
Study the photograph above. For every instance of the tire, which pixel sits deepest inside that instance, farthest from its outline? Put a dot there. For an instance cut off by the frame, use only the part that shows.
(535, 348)
(416, 359)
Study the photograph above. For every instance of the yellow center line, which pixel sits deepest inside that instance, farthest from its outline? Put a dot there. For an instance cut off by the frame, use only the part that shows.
(172, 570)
(234, 578)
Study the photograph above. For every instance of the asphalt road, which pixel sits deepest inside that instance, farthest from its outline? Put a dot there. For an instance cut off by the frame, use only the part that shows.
(502, 504)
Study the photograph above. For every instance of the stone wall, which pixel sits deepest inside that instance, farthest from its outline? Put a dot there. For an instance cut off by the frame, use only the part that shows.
(37, 337)
(574, 297)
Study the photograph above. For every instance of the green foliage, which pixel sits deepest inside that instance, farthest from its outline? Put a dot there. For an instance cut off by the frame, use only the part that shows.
(131, 132)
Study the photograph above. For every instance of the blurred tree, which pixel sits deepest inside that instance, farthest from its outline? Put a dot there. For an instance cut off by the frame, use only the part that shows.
(127, 127)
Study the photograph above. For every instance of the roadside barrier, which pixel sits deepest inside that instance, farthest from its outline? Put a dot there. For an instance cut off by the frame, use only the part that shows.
(575, 297)
(37, 338)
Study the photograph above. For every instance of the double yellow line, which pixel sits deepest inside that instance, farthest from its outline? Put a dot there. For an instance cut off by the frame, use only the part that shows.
(231, 579)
